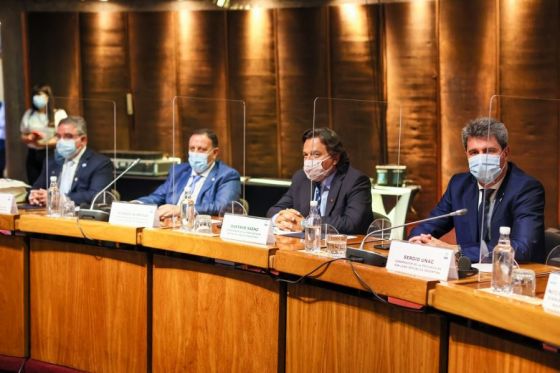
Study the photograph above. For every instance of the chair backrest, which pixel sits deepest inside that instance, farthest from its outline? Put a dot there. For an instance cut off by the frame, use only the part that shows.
(552, 246)
(399, 199)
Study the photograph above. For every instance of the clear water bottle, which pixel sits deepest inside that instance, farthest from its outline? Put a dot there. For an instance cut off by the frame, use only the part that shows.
(53, 198)
(312, 228)
(502, 263)
(187, 212)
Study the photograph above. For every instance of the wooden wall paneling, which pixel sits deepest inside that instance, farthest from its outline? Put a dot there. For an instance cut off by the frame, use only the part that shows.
(152, 52)
(529, 51)
(355, 74)
(411, 54)
(252, 77)
(201, 61)
(213, 318)
(302, 76)
(88, 307)
(105, 76)
(15, 76)
(468, 35)
(471, 350)
(54, 56)
(13, 297)
(329, 331)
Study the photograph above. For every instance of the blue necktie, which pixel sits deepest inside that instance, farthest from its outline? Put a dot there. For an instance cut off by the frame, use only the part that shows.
(317, 194)
(192, 182)
(483, 214)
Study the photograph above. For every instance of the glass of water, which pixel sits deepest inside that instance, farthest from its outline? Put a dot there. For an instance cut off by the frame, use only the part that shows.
(336, 245)
(523, 282)
(203, 224)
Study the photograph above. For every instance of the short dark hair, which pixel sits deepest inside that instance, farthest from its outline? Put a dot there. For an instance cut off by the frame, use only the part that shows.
(484, 127)
(209, 133)
(331, 140)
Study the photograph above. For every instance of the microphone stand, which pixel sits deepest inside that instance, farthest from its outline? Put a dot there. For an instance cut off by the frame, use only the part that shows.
(95, 214)
(373, 258)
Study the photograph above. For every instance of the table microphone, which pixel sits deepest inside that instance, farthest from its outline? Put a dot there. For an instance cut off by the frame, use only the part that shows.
(373, 258)
(96, 214)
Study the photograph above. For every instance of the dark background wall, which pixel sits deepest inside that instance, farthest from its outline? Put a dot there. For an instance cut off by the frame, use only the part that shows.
(432, 65)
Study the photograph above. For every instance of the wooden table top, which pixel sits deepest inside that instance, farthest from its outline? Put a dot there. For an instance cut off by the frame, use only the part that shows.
(465, 298)
(39, 222)
(207, 246)
(292, 260)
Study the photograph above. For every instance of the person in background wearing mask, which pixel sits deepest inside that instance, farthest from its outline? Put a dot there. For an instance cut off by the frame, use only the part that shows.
(496, 193)
(343, 193)
(81, 172)
(211, 183)
(37, 128)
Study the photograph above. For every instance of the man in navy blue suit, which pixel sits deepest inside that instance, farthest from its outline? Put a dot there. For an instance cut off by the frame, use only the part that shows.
(496, 193)
(81, 172)
(211, 183)
(342, 192)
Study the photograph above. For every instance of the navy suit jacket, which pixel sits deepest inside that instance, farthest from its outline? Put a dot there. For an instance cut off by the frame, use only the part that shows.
(348, 206)
(94, 173)
(519, 205)
(222, 186)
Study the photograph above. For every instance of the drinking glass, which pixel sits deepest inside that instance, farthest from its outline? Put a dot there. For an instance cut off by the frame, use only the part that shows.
(523, 282)
(203, 224)
(336, 245)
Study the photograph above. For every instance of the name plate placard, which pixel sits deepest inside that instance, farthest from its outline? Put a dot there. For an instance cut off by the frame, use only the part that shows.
(430, 262)
(134, 215)
(247, 229)
(8, 204)
(551, 301)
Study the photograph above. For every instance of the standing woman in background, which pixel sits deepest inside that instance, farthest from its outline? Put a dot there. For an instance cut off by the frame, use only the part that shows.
(38, 127)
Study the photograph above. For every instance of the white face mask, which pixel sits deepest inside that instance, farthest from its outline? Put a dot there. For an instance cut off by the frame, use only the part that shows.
(314, 170)
(485, 167)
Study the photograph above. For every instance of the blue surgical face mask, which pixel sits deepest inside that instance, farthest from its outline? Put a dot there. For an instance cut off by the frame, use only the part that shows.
(198, 162)
(66, 148)
(485, 167)
(40, 101)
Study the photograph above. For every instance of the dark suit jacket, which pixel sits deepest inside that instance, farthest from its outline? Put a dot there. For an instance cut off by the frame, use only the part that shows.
(349, 201)
(94, 173)
(519, 204)
(222, 186)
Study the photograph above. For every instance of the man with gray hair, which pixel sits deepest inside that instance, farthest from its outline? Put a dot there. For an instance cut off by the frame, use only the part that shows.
(496, 193)
(81, 172)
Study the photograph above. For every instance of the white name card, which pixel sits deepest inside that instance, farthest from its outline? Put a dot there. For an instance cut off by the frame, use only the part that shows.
(134, 215)
(247, 229)
(423, 261)
(8, 204)
(551, 302)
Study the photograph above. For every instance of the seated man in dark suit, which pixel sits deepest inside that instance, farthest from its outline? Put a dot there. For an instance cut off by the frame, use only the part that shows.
(81, 172)
(344, 193)
(511, 198)
(211, 183)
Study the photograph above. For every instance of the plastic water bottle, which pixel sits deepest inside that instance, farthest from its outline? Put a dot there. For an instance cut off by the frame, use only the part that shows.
(312, 227)
(53, 198)
(187, 212)
(502, 263)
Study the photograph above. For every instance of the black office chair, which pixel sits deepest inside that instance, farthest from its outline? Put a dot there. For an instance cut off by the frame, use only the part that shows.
(552, 246)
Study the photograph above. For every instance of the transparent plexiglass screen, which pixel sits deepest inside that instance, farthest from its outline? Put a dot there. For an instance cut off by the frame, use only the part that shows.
(364, 129)
(532, 149)
(216, 192)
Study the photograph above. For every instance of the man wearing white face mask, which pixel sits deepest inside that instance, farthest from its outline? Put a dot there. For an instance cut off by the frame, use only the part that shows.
(496, 193)
(343, 193)
(211, 183)
(81, 172)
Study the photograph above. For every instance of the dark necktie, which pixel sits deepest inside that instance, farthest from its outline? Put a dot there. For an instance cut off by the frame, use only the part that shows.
(483, 213)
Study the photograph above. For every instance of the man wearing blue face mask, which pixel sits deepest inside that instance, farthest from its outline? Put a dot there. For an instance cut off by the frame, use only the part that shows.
(81, 172)
(209, 182)
(496, 193)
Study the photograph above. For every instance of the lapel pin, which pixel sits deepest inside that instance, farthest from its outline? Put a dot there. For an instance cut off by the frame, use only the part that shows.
(84, 164)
